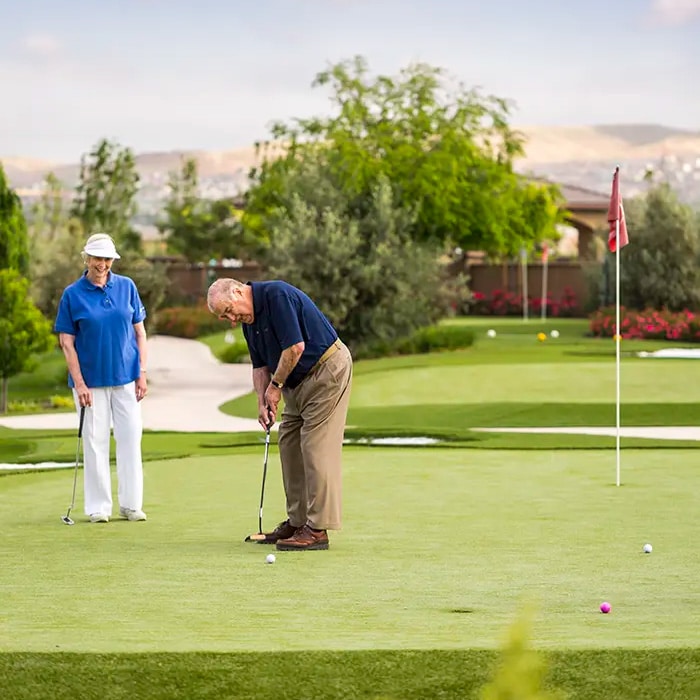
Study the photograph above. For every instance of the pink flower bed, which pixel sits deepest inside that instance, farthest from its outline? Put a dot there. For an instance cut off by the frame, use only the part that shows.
(648, 324)
(504, 303)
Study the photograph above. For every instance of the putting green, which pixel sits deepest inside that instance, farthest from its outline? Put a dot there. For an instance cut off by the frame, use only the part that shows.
(441, 548)
(656, 381)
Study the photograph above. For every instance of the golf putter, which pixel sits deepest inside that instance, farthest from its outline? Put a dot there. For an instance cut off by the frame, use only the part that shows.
(260, 535)
(66, 518)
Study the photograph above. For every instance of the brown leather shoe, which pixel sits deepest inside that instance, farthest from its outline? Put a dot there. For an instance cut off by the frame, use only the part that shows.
(304, 539)
(281, 532)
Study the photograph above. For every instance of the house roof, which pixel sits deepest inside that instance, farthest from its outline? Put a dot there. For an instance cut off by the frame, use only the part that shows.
(582, 198)
(579, 198)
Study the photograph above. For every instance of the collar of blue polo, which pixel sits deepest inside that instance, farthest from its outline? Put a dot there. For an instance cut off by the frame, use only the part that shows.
(86, 282)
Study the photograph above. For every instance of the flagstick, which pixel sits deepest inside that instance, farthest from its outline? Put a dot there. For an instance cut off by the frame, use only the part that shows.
(618, 341)
(523, 260)
(544, 288)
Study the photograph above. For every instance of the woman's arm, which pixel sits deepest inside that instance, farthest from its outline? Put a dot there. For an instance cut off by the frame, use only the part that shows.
(142, 345)
(67, 343)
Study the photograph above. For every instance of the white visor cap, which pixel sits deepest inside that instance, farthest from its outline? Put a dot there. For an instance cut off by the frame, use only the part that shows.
(102, 248)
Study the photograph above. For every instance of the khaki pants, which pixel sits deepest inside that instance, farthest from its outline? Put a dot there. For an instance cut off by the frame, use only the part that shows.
(311, 441)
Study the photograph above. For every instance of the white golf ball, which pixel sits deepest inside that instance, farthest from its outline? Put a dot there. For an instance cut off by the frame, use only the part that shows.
(554, 334)
(647, 549)
(270, 558)
(491, 333)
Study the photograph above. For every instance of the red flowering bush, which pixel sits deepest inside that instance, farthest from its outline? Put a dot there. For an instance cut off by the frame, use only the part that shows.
(648, 324)
(504, 303)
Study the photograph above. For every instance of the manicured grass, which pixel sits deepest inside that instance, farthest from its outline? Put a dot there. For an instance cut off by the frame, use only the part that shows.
(427, 533)
(442, 546)
(614, 674)
(441, 550)
(217, 341)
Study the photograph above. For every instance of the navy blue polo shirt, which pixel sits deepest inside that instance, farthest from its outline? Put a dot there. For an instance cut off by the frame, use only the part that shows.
(102, 321)
(285, 316)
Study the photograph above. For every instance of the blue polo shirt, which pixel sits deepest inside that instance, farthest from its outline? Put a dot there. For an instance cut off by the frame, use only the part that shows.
(284, 316)
(102, 321)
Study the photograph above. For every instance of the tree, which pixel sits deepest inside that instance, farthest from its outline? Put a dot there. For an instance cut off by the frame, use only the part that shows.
(660, 268)
(23, 330)
(368, 276)
(105, 197)
(447, 152)
(201, 229)
(14, 244)
(55, 242)
(150, 278)
(49, 213)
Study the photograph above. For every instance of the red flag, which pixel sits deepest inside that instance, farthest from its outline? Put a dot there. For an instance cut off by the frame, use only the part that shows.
(616, 213)
(545, 252)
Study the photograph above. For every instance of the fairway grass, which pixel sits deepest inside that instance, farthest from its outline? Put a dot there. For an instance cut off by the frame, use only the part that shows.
(378, 675)
(441, 549)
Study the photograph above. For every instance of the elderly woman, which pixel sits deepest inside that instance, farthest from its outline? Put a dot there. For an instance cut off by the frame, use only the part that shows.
(101, 332)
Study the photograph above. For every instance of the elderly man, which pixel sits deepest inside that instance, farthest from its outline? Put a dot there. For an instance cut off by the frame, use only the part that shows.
(296, 353)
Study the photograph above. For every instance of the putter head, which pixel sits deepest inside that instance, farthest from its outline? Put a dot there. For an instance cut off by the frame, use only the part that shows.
(257, 537)
(66, 520)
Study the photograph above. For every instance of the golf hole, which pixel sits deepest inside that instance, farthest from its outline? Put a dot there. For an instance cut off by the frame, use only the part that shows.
(462, 611)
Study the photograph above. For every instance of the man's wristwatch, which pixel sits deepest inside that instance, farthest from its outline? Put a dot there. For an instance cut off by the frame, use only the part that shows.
(277, 384)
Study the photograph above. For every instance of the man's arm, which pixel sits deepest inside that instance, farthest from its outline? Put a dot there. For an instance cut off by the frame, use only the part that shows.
(288, 361)
(261, 380)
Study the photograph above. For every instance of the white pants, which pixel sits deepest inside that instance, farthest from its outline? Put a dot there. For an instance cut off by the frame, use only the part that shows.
(112, 406)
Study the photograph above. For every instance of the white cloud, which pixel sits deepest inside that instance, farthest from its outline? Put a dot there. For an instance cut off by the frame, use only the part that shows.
(41, 44)
(675, 11)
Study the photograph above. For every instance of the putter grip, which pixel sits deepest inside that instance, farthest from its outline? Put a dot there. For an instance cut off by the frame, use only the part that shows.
(82, 420)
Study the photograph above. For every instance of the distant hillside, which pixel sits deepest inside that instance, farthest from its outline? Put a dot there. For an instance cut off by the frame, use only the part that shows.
(616, 142)
(24, 172)
(641, 134)
(580, 155)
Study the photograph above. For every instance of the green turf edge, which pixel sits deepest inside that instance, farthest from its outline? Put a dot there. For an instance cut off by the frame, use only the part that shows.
(616, 674)
(41, 447)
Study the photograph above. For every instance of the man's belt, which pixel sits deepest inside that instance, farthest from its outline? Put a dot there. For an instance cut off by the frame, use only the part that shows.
(330, 351)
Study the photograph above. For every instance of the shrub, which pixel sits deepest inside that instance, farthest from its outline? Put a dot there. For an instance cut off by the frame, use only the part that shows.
(235, 352)
(62, 402)
(186, 321)
(660, 268)
(424, 340)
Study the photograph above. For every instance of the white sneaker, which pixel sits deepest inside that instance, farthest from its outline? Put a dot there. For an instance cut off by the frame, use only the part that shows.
(99, 518)
(132, 514)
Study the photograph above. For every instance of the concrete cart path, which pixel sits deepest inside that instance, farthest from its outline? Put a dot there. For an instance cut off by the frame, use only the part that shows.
(186, 385)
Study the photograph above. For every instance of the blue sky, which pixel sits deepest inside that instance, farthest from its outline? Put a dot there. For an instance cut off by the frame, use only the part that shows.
(212, 74)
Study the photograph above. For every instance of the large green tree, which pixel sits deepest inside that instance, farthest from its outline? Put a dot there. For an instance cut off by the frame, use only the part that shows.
(105, 197)
(14, 243)
(23, 330)
(447, 151)
(372, 280)
(200, 229)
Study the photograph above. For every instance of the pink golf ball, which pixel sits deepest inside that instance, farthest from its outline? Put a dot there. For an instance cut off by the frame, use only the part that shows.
(605, 607)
